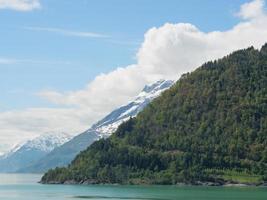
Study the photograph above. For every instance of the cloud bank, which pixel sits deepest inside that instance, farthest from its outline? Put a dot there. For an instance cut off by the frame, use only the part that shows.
(20, 5)
(166, 53)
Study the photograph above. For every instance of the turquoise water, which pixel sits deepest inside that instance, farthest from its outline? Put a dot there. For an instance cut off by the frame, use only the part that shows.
(25, 187)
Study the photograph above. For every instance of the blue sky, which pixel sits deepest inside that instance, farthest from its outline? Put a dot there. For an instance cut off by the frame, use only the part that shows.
(50, 60)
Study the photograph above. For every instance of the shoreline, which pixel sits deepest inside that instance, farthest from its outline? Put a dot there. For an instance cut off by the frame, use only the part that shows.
(198, 183)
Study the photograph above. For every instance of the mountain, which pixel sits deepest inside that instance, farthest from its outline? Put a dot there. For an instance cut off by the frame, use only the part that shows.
(110, 123)
(209, 128)
(63, 155)
(26, 153)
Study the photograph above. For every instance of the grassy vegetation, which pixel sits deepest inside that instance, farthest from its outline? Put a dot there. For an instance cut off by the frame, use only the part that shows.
(236, 176)
(243, 178)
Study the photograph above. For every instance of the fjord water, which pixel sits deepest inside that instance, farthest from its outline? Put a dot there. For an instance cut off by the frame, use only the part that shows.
(25, 187)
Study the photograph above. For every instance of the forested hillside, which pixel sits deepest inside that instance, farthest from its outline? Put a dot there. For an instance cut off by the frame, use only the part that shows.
(210, 126)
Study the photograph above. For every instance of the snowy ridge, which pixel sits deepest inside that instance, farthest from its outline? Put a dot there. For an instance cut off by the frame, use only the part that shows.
(47, 142)
(110, 123)
(12, 150)
(44, 143)
(107, 130)
(22, 155)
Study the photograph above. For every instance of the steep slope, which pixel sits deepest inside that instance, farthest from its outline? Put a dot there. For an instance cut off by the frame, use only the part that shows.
(210, 126)
(64, 154)
(24, 154)
(110, 123)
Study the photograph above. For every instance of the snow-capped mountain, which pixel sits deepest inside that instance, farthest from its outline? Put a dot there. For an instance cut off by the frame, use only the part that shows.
(47, 142)
(26, 153)
(64, 154)
(111, 122)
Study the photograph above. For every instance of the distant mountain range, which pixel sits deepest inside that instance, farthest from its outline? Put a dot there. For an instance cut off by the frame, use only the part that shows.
(31, 151)
(63, 154)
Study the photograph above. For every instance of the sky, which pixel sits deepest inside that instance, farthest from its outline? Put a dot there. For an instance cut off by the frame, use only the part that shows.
(65, 64)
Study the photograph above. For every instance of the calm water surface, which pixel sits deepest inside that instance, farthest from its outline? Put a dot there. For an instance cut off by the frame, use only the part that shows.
(25, 187)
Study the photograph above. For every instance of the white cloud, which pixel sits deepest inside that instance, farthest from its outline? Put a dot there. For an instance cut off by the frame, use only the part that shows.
(167, 52)
(252, 9)
(67, 32)
(104, 93)
(20, 5)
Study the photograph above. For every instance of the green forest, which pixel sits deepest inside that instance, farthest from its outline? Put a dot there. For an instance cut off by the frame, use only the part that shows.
(211, 126)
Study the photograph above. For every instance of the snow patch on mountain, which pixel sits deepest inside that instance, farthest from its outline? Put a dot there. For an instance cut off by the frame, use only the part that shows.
(48, 142)
(107, 130)
(22, 155)
(110, 123)
(127, 112)
(45, 143)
